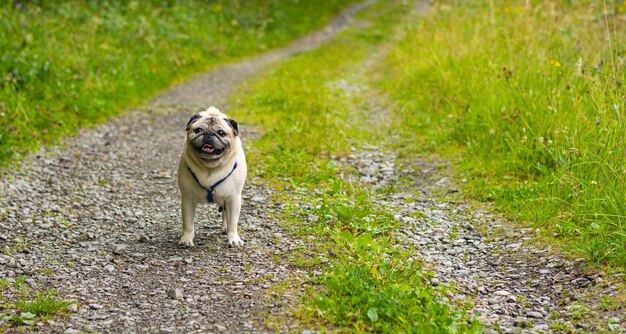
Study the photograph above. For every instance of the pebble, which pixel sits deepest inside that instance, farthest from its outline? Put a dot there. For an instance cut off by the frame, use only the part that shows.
(257, 199)
(119, 249)
(541, 327)
(72, 331)
(96, 306)
(72, 307)
(534, 314)
(175, 293)
(521, 322)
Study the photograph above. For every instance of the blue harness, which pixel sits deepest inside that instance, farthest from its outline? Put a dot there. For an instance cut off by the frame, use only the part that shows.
(209, 190)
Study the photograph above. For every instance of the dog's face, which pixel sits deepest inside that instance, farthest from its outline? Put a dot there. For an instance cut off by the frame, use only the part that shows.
(211, 134)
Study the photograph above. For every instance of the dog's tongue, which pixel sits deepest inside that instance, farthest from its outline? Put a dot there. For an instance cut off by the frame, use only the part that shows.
(208, 148)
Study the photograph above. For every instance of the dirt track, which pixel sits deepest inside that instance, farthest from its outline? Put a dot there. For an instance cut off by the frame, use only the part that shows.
(99, 220)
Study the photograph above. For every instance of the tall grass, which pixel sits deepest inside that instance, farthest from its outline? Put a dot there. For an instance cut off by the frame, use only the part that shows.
(65, 64)
(533, 98)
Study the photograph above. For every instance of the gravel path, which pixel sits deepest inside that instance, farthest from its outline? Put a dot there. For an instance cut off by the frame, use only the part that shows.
(513, 285)
(98, 219)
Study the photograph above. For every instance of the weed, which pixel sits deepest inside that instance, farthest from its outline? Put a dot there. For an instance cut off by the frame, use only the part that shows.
(23, 306)
(42, 303)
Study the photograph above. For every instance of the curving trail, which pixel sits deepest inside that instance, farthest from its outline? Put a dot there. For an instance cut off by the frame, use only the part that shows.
(99, 219)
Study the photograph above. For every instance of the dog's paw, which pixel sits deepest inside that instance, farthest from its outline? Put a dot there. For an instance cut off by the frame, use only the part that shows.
(234, 240)
(186, 240)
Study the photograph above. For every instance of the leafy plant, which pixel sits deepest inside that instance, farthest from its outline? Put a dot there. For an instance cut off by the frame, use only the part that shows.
(23, 306)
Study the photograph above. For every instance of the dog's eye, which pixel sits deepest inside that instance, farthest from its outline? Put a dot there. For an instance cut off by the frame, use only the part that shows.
(197, 130)
(221, 133)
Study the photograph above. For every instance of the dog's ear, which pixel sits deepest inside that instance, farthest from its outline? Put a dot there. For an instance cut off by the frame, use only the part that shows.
(191, 120)
(233, 125)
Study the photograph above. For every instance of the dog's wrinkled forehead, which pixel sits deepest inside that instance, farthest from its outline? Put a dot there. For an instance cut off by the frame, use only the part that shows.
(210, 117)
(213, 116)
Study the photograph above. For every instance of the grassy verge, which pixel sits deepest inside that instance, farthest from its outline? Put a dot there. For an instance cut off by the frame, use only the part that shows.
(67, 64)
(310, 115)
(530, 102)
(22, 306)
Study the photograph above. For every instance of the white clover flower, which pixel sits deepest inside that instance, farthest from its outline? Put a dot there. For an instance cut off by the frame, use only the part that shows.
(578, 68)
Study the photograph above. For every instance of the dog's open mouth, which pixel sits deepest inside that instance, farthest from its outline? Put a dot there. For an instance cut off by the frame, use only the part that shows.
(209, 149)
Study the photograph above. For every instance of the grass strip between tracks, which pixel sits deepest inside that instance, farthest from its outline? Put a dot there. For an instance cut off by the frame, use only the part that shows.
(309, 116)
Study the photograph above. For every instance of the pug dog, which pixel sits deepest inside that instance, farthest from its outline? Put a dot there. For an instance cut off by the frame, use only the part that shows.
(212, 169)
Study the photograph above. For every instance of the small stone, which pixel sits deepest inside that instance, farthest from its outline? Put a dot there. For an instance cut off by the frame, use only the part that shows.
(166, 330)
(541, 327)
(95, 306)
(534, 314)
(220, 328)
(72, 307)
(434, 281)
(502, 293)
(175, 293)
(257, 199)
(119, 249)
(72, 331)
(308, 331)
(520, 322)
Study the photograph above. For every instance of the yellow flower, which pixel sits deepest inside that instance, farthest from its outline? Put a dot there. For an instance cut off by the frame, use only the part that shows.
(555, 63)
(218, 8)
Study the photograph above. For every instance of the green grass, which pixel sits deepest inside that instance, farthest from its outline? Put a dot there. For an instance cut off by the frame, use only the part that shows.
(67, 64)
(309, 113)
(20, 305)
(530, 103)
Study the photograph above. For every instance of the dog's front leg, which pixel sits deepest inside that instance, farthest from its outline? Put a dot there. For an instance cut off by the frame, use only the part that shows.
(189, 211)
(232, 212)
(225, 218)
